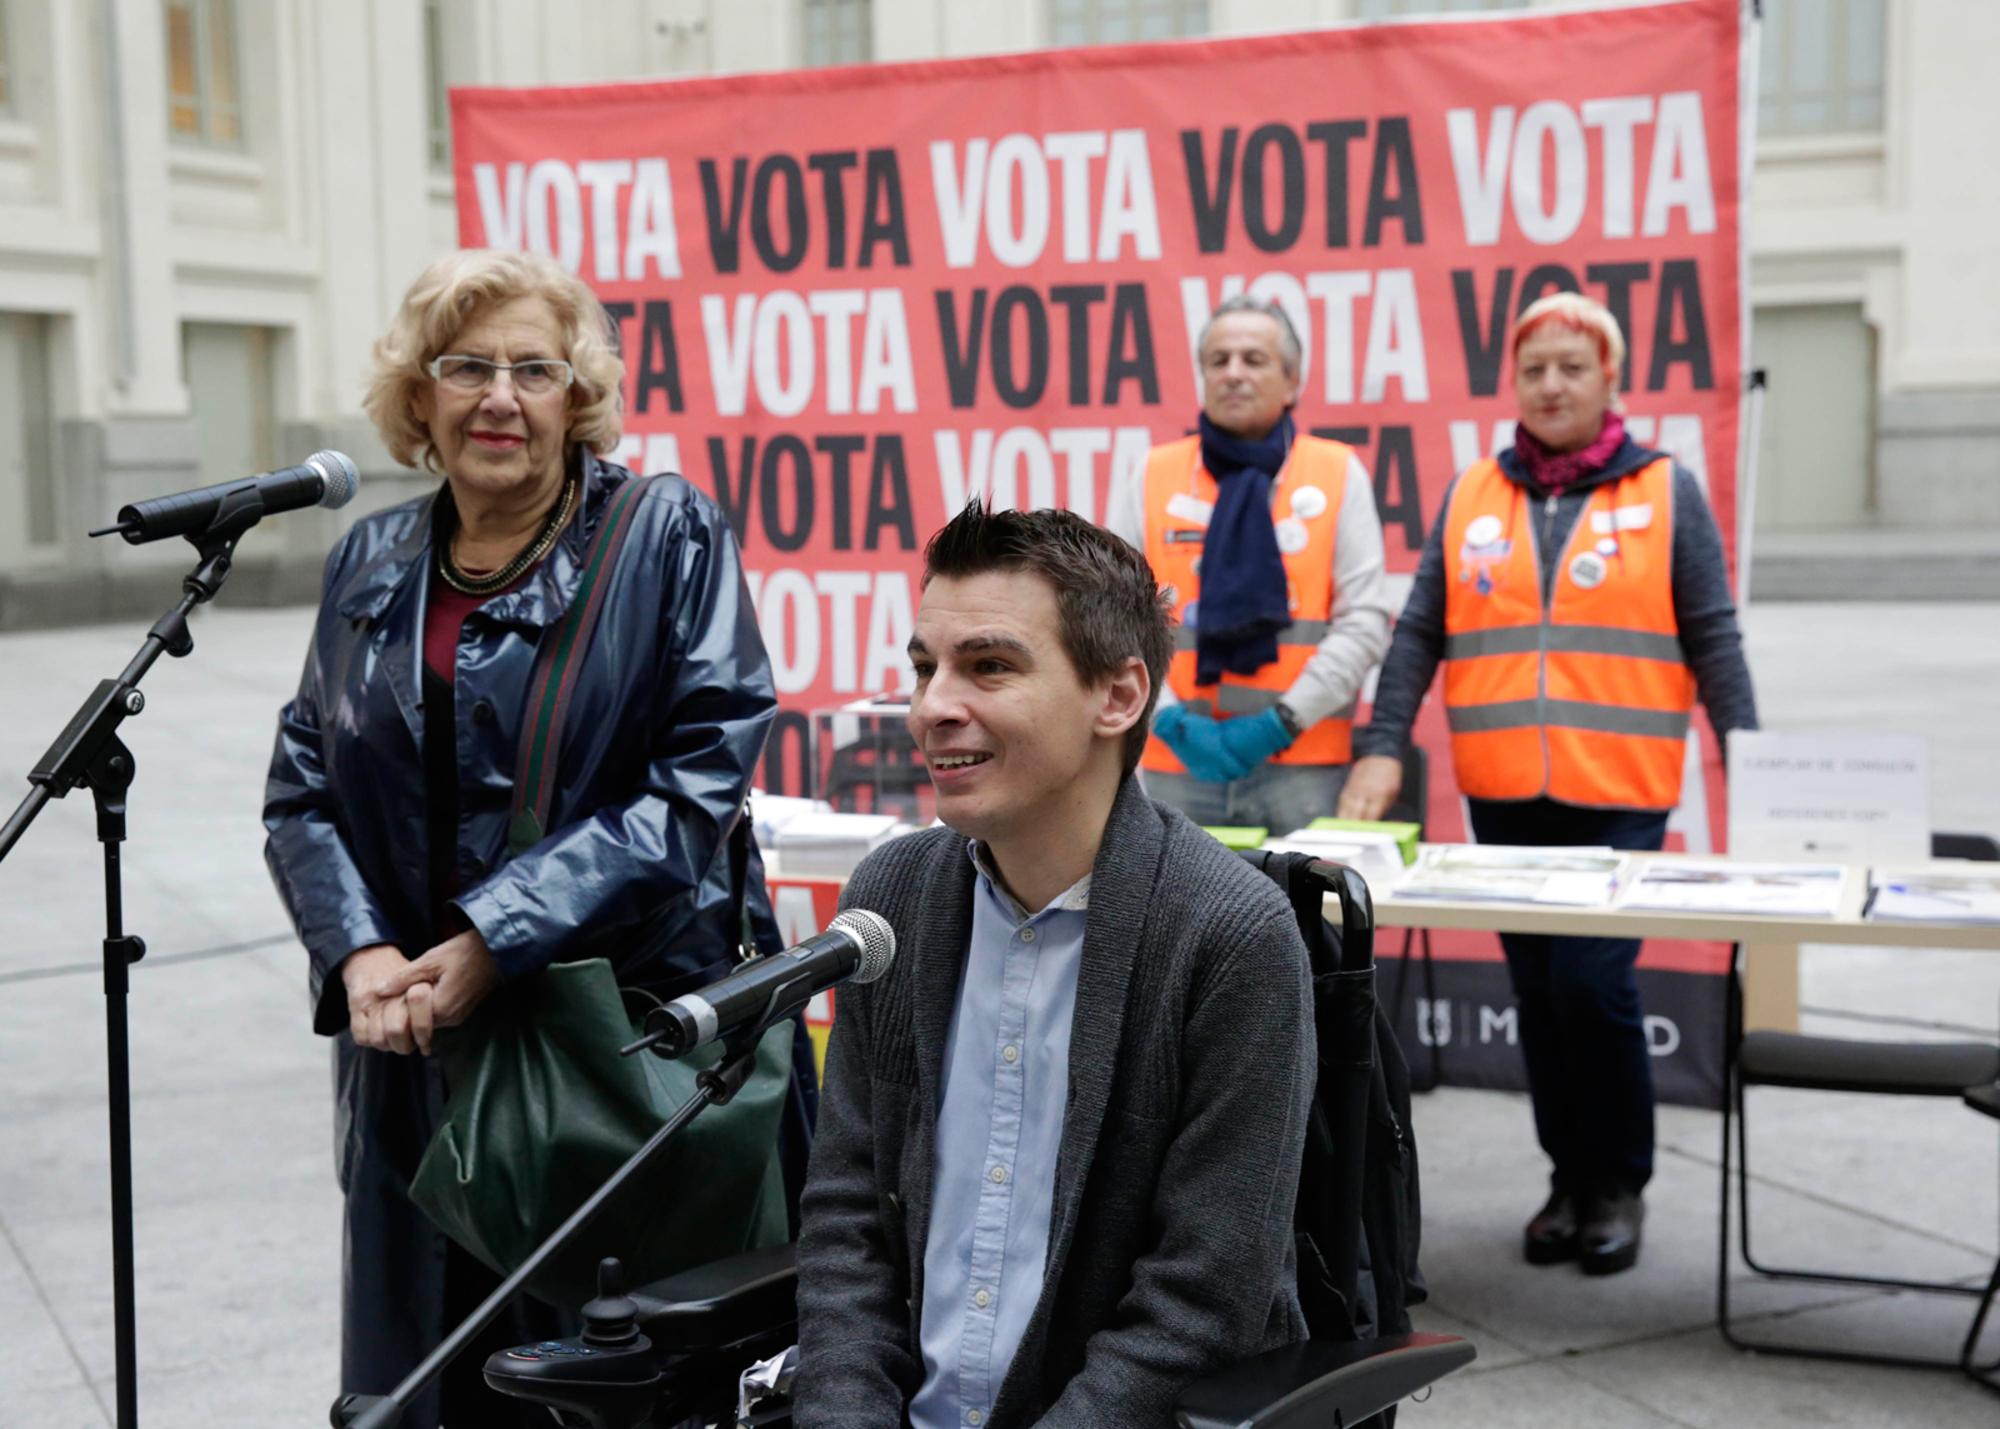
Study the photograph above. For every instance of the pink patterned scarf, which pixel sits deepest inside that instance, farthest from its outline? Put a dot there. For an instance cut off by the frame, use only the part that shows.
(1551, 472)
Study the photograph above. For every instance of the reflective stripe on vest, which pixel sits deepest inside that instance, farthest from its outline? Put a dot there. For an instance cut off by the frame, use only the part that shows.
(1179, 494)
(1584, 697)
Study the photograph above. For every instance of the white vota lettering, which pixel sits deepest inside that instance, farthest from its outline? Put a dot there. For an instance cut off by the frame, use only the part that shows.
(1556, 122)
(885, 354)
(784, 329)
(963, 474)
(1336, 293)
(891, 619)
(500, 207)
(652, 452)
(1071, 154)
(1017, 240)
(553, 181)
(958, 203)
(1005, 188)
(1465, 448)
(1618, 118)
(727, 337)
(650, 230)
(1021, 451)
(837, 308)
(1395, 340)
(1079, 447)
(843, 591)
(604, 178)
(1679, 176)
(1130, 209)
(1679, 435)
(788, 617)
(1482, 180)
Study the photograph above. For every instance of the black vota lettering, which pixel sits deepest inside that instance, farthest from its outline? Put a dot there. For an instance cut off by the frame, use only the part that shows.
(1291, 185)
(1392, 184)
(961, 350)
(1335, 138)
(1129, 353)
(842, 450)
(1482, 334)
(777, 171)
(1020, 369)
(785, 753)
(882, 217)
(1680, 308)
(889, 504)
(1210, 198)
(659, 358)
(725, 219)
(1617, 280)
(832, 168)
(733, 496)
(1075, 299)
(786, 451)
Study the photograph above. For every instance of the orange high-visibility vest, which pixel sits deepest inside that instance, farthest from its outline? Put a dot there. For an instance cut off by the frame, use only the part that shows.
(1586, 698)
(1180, 496)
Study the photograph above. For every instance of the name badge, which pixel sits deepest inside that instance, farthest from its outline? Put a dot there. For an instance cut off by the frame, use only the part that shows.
(1190, 508)
(1622, 518)
(1181, 536)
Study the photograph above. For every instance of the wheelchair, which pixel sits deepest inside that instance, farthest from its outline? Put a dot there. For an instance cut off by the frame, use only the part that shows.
(713, 1345)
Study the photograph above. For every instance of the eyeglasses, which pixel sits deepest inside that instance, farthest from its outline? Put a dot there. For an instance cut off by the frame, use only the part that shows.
(475, 374)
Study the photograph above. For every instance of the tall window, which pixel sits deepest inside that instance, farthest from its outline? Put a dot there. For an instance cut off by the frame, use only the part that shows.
(438, 111)
(1821, 67)
(204, 104)
(837, 32)
(1111, 22)
(27, 428)
(1383, 9)
(6, 65)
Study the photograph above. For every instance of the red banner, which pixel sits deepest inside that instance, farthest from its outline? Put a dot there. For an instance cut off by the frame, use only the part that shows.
(849, 299)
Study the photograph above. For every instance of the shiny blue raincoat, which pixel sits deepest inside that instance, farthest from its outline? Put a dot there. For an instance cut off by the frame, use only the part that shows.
(670, 710)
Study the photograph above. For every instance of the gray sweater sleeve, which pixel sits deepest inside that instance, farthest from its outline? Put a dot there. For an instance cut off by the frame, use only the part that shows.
(1706, 613)
(1414, 651)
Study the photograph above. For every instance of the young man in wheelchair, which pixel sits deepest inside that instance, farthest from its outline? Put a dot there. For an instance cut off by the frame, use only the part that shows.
(1059, 1142)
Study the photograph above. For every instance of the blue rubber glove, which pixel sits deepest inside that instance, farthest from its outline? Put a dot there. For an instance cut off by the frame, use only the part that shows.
(1252, 739)
(1197, 740)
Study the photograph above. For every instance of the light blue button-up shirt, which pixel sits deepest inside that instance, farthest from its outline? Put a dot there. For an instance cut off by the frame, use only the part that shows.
(1006, 1085)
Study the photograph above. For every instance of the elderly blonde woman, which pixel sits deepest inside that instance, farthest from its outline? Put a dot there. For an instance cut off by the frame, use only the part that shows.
(389, 797)
(1574, 588)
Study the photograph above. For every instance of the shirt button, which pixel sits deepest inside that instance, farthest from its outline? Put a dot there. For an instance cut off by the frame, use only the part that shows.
(983, 1299)
(482, 713)
(1027, 935)
(973, 1416)
(999, 1174)
(1010, 1053)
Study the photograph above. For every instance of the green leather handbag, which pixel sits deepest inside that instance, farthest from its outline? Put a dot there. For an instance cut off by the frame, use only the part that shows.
(542, 1109)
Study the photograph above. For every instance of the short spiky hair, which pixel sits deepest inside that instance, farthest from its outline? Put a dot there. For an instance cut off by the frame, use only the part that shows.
(1109, 608)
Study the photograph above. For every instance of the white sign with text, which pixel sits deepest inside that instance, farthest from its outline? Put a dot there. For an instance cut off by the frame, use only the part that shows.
(1858, 799)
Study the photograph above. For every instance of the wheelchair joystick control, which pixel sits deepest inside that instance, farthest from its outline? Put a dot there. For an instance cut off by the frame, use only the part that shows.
(612, 1318)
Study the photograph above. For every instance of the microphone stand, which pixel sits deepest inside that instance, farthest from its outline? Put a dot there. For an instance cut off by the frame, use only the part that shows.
(89, 752)
(712, 1088)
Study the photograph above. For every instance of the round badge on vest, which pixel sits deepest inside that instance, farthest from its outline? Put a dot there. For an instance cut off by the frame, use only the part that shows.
(1292, 536)
(1607, 547)
(1483, 530)
(1588, 570)
(1308, 502)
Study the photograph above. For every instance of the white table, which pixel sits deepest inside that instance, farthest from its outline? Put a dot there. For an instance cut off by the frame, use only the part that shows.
(1770, 945)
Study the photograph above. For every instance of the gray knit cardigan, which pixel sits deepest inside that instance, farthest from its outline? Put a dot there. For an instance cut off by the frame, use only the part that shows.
(1191, 1073)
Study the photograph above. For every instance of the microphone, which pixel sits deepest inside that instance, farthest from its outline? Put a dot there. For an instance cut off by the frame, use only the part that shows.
(857, 944)
(325, 479)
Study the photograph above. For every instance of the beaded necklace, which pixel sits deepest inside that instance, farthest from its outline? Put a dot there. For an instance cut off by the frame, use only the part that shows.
(528, 555)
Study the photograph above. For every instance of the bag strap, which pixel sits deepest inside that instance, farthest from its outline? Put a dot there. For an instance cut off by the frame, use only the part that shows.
(557, 662)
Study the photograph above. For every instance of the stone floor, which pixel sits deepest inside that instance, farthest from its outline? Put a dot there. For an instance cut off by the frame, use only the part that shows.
(238, 1241)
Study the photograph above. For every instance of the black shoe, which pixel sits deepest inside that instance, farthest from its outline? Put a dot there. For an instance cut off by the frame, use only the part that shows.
(1551, 1237)
(1609, 1239)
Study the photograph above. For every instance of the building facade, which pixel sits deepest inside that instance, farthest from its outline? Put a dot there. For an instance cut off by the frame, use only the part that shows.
(209, 208)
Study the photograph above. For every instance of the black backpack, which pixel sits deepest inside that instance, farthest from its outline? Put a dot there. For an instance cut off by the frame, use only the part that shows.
(1352, 1285)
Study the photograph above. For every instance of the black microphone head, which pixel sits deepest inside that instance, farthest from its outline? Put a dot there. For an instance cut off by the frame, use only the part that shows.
(339, 475)
(878, 941)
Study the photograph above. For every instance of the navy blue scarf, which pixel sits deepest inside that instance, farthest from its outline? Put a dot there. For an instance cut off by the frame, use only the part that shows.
(1243, 603)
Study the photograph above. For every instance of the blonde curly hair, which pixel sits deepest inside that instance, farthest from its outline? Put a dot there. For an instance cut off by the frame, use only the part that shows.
(439, 305)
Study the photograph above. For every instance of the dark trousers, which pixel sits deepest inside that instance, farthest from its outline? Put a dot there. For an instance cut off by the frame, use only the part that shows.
(1583, 1033)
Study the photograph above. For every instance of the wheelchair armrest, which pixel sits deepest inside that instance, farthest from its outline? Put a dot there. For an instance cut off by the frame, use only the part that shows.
(723, 1301)
(1312, 1382)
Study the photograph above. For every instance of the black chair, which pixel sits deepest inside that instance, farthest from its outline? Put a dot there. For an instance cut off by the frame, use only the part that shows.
(1411, 807)
(1986, 1101)
(673, 1351)
(1839, 1064)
